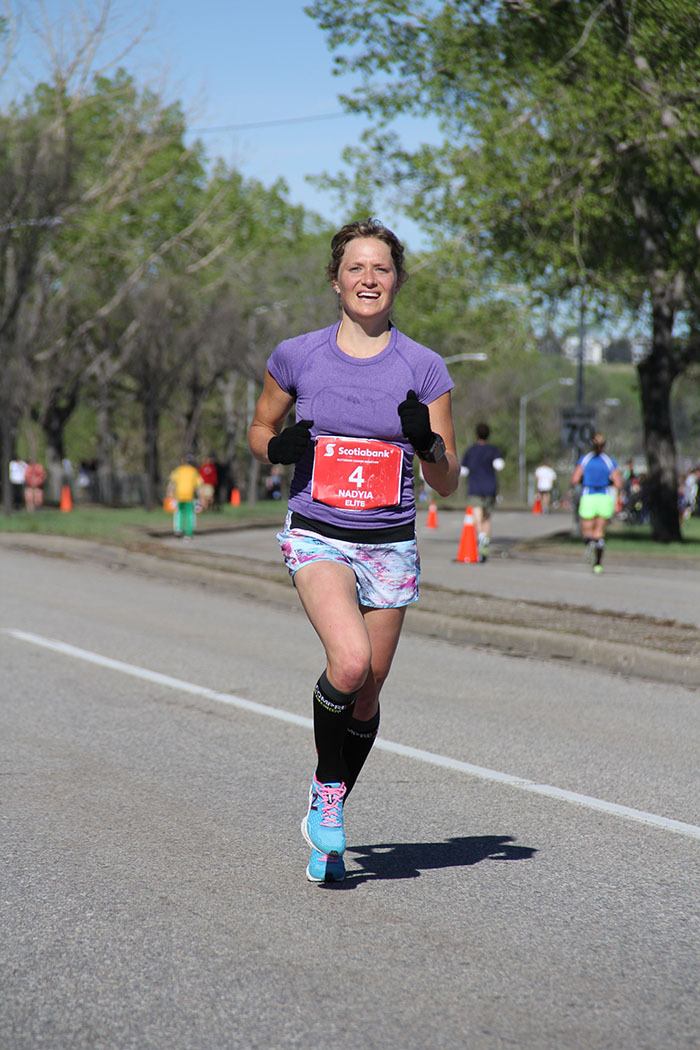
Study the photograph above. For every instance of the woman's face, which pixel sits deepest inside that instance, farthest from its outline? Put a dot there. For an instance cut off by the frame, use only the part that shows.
(367, 281)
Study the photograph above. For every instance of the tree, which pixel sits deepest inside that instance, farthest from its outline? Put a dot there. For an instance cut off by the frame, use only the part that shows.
(34, 181)
(81, 158)
(569, 158)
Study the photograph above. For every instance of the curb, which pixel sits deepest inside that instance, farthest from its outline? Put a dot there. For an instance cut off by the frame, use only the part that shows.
(513, 640)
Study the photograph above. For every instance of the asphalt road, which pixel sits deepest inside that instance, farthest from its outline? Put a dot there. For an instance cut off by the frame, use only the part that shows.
(153, 890)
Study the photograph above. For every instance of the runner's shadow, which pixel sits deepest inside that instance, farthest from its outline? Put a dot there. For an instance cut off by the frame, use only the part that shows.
(406, 860)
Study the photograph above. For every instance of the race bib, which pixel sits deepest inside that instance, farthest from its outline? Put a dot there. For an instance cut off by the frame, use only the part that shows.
(356, 473)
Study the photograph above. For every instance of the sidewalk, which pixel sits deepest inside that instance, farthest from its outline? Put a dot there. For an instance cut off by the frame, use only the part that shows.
(635, 619)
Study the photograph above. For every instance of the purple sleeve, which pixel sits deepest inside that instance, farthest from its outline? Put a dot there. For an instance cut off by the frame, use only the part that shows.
(279, 365)
(435, 380)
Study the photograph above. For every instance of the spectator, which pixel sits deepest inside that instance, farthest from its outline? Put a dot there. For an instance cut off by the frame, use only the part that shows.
(183, 486)
(545, 476)
(34, 478)
(480, 465)
(18, 470)
(210, 477)
(273, 483)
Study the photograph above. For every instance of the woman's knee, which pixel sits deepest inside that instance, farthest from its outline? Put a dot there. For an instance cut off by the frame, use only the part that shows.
(349, 667)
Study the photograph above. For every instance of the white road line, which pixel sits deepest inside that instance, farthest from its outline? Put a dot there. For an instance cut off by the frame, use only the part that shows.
(612, 808)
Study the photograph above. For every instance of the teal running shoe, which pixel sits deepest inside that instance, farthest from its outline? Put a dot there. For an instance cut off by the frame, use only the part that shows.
(324, 867)
(322, 827)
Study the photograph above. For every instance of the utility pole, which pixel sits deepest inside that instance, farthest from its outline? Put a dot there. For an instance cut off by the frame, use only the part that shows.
(579, 446)
(581, 350)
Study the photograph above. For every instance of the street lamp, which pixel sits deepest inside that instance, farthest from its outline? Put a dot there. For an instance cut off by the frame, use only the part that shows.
(564, 381)
(466, 357)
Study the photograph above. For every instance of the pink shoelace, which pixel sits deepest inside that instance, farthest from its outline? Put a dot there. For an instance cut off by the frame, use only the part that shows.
(331, 797)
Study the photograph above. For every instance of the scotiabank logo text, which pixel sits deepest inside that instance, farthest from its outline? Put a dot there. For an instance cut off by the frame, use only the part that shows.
(374, 452)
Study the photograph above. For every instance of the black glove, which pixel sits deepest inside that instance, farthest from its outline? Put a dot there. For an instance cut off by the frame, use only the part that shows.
(291, 444)
(415, 421)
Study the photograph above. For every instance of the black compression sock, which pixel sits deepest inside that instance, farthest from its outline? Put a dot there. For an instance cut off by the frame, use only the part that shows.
(359, 738)
(599, 550)
(332, 712)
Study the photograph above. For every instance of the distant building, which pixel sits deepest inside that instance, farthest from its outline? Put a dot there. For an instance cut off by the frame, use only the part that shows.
(592, 349)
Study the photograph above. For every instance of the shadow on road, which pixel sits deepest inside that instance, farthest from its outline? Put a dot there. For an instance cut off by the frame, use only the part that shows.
(406, 860)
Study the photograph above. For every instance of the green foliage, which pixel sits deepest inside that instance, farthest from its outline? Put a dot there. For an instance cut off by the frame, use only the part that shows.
(569, 155)
(557, 117)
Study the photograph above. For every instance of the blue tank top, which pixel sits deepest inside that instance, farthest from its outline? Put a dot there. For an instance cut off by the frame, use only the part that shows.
(596, 472)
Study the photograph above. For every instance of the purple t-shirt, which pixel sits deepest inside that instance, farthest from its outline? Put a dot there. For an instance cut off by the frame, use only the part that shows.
(355, 397)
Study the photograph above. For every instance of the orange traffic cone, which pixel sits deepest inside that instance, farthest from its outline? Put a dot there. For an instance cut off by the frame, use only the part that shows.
(66, 503)
(468, 550)
(235, 498)
(432, 519)
(537, 506)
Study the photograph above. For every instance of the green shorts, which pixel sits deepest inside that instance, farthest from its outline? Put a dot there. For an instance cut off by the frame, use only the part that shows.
(596, 505)
(485, 503)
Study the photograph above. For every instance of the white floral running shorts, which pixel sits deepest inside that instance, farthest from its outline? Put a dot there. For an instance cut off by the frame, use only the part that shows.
(386, 574)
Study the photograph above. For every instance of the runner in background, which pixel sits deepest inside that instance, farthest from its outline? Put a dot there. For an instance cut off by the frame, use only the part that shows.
(600, 476)
(480, 465)
(545, 476)
(367, 398)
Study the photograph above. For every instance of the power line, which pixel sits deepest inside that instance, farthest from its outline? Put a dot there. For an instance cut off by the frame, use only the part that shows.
(271, 123)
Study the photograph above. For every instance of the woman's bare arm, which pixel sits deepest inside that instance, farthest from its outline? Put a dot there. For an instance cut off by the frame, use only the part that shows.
(444, 475)
(270, 413)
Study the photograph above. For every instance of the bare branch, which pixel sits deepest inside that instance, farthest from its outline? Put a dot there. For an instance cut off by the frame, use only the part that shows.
(10, 40)
(587, 29)
(214, 254)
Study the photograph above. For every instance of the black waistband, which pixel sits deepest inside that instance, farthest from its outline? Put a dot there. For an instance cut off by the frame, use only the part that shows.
(392, 534)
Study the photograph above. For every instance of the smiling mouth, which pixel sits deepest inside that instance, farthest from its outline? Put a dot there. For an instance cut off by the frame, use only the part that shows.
(368, 295)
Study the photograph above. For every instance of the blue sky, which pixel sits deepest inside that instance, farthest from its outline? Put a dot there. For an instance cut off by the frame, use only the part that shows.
(234, 62)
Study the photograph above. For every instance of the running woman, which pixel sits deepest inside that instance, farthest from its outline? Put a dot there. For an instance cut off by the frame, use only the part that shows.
(600, 476)
(367, 398)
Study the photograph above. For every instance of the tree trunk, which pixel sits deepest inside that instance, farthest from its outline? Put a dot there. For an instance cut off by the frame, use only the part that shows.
(253, 463)
(657, 373)
(53, 423)
(227, 387)
(193, 415)
(6, 451)
(151, 419)
(105, 442)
